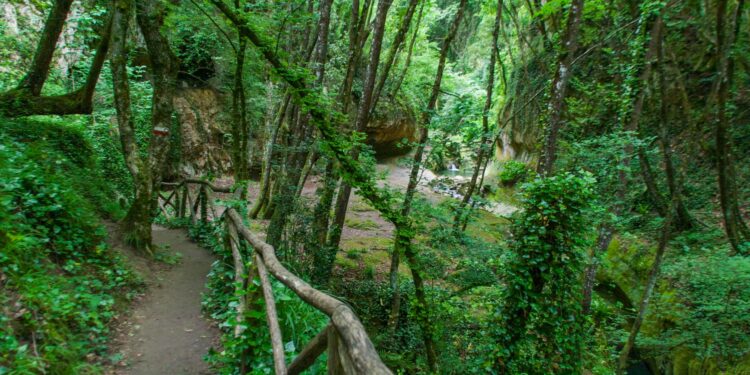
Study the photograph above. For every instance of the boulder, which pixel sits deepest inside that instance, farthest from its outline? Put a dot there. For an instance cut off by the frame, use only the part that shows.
(392, 129)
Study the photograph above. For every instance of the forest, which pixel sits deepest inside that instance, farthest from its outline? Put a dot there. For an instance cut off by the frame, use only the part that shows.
(375, 187)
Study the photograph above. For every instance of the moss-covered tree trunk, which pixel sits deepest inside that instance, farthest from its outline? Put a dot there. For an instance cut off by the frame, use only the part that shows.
(145, 171)
(560, 88)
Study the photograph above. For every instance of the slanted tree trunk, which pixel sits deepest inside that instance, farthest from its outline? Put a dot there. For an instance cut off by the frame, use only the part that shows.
(560, 88)
(302, 139)
(25, 100)
(407, 62)
(653, 276)
(272, 133)
(398, 39)
(462, 217)
(34, 79)
(363, 117)
(404, 236)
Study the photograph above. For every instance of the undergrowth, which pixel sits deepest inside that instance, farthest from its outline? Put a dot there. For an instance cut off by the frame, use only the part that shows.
(60, 284)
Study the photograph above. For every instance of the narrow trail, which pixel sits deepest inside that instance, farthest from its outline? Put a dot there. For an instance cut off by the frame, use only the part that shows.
(166, 333)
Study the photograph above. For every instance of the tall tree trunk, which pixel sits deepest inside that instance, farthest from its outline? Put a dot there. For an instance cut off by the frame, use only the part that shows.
(560, 88)
(403, 29)
(150, 15)
(363, 117)
(461, 216)
(146, 173)
(302, 140)
(407, 62)
(240, 151)
(265, 179)
(136, 225)
(404, 236)
(734, 225)
(682, 216)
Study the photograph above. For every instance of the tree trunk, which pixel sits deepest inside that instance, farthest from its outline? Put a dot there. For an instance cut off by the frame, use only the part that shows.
(265, 180)
(150, 15)
(647, 292)
(136, 225)
(407, 62)
(22, 101)
(363, 117)
(461, 216)
(34, 79)
(560, 88)
(682, 216)
(403, 29)
(734, 226)
(240, 151)
(404, 236)
(303, 137)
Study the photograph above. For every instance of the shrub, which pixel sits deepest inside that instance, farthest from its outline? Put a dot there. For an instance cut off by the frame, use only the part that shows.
(513, 172)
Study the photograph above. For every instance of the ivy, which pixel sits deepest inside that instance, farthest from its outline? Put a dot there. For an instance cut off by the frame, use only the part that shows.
(539, 327)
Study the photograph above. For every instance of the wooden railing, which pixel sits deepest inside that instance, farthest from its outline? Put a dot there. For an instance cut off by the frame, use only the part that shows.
(350, 350)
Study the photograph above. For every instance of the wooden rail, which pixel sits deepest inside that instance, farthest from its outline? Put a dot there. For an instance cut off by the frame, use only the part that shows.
(350, 350)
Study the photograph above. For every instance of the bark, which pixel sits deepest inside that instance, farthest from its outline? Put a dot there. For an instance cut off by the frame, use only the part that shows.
(398, 40)
(303, 136)
(363, 117)
(734, 225)
(653, 276)
(23, 102)
(682, 216)
(164, 66)
(265, 180)
(560, 88)
(34, 79)
(136, 225)
(357, 33)
(606, 232)
(461, 216)
(240, 151)
(633, 125)
(407, 62)
(146, 172)
(404, 235)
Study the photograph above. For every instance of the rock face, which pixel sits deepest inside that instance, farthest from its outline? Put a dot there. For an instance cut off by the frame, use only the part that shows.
(391, 124)
(204, 148)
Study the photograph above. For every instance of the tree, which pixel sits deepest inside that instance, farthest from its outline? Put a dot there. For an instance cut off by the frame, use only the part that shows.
(145, 171)
(560, 88)
(461, 217)
(735, 227)
(26, 98)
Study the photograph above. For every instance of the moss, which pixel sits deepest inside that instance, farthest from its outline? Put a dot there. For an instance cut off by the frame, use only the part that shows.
(365, 243)
(365, 224)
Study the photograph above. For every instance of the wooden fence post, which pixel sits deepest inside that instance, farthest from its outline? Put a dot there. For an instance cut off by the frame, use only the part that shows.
(204, 207)
(334, 361)
(183, 201)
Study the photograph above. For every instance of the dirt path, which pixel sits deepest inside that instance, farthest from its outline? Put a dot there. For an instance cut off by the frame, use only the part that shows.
(166, 333)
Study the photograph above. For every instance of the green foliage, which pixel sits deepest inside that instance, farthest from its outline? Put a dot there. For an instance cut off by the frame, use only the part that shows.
(61, 284)
(514, 172)
(539, 322)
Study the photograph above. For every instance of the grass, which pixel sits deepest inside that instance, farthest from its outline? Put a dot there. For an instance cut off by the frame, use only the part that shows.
(365, 224)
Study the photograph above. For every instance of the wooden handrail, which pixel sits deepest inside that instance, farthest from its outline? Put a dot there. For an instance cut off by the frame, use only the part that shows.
(350, 350)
